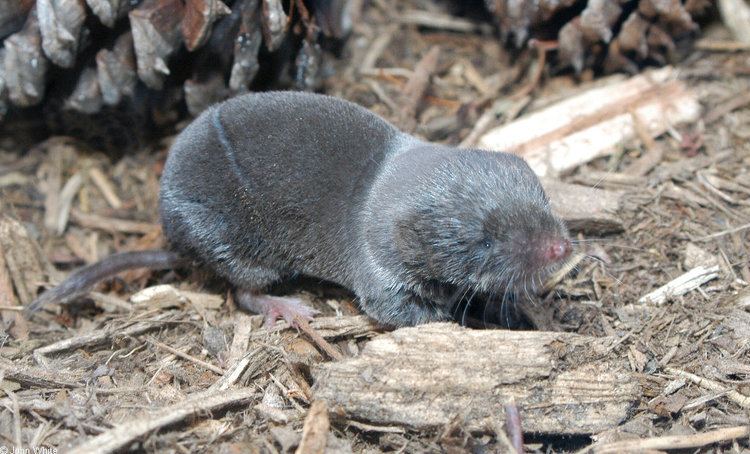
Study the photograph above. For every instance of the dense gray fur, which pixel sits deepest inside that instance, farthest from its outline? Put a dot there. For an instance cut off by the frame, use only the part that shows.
(270, 185)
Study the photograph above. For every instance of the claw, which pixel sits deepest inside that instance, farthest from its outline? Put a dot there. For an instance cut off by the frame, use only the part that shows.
(276, 307)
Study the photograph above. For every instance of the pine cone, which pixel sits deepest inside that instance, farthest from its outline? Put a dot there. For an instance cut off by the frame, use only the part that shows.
(153, 59)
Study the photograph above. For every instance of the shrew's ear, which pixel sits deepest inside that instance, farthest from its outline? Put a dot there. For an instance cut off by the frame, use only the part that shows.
(410, 241)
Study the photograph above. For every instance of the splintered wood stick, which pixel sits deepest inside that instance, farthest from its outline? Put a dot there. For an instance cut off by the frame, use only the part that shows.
(682, 284)
(420, 378)
(596, 122)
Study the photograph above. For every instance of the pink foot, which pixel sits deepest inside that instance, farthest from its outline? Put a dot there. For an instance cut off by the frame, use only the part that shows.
(276, 307)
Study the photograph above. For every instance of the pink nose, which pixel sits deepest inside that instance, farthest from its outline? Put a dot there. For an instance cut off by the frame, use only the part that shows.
(557, 250)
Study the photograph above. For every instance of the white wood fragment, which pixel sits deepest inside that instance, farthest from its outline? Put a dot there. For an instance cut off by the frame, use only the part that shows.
(736, 16)
(682, 284)
(168, 296)
(595, 123)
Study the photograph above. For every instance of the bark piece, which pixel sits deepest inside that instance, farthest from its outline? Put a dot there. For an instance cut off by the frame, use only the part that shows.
(426, 376)
(585, 209)
(60, 23)
(199, 17)
(595, 122)
(108, 11)
(116, 70)
(156, 34)
(25, 64)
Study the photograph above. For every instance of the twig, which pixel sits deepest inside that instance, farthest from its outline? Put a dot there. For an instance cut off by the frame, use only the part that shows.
(724, 232)
(371, 428)
(105, 187)
(724, 108)
(102, 335)
(34, 377)
(382, 95)
(542, 47)
(378, 46)
(65, 202)
(721, 45)
(201, 404)
(94, 221)
(184, 355)
(739, 399)
(318, 339)
(315, 430)
(286, 393)
(437, 21)
(415, 87)
(672, 442)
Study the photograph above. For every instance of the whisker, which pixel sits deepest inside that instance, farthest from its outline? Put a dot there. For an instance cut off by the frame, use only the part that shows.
(466, 309)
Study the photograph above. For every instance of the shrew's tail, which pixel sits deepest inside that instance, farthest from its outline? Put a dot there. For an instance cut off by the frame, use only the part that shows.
(83, 279)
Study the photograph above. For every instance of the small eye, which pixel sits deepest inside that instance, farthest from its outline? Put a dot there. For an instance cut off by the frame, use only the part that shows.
(487, 244)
